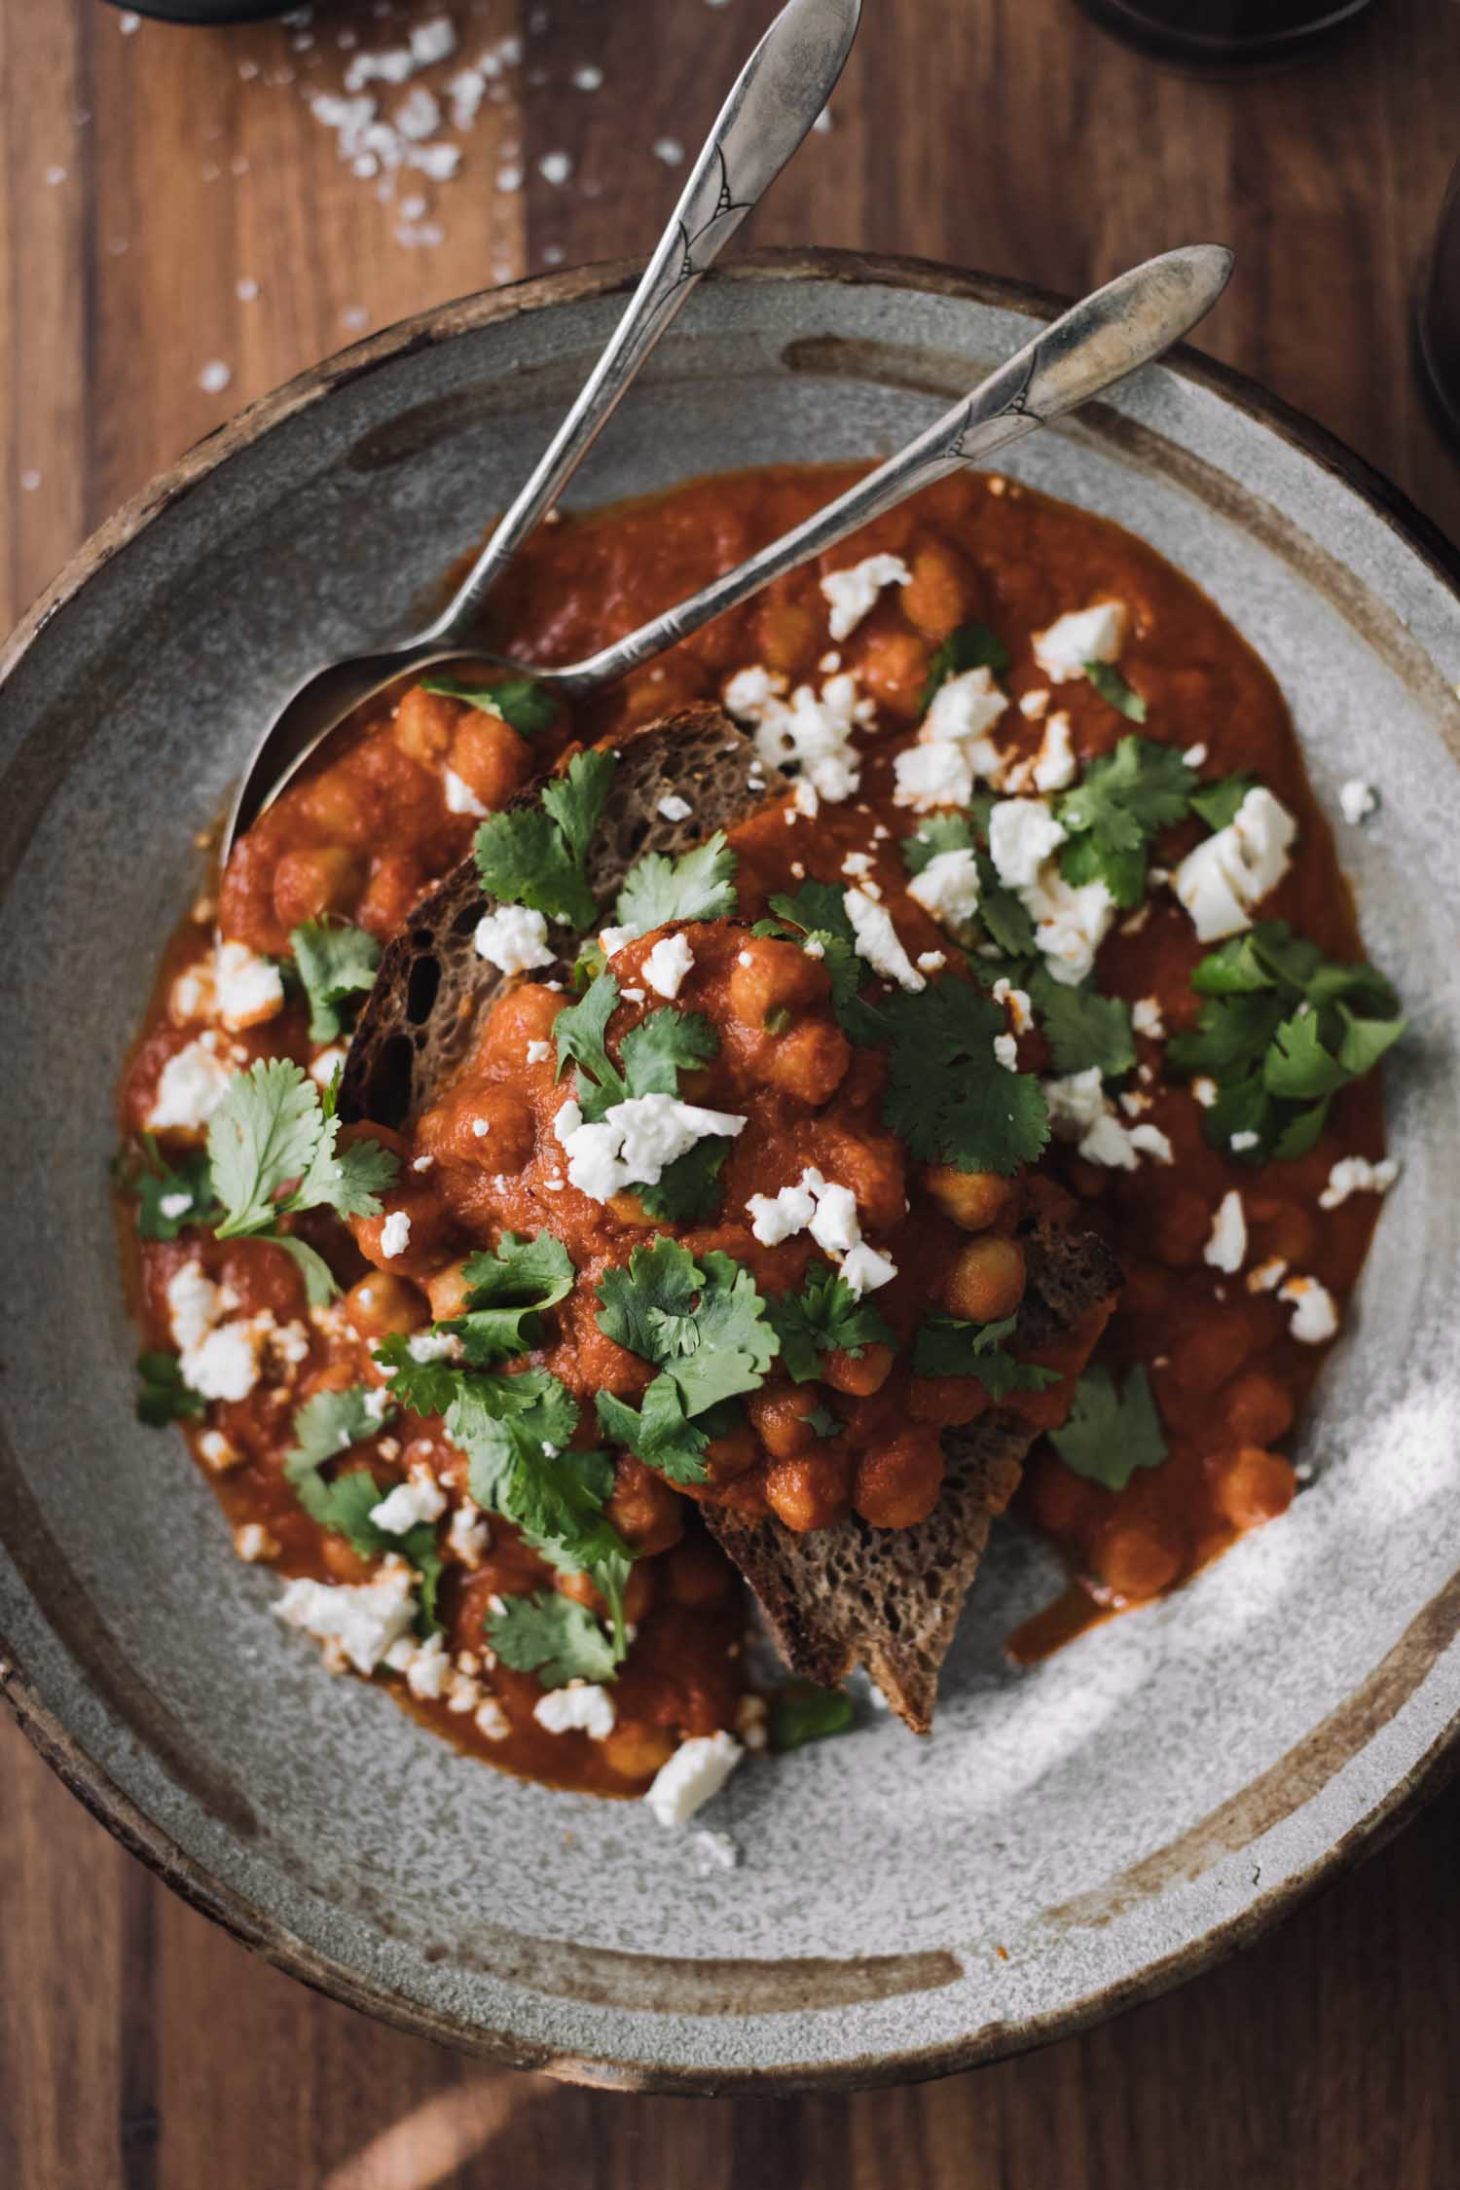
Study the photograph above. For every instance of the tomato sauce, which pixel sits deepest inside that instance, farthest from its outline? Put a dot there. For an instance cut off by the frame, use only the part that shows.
(394, 807)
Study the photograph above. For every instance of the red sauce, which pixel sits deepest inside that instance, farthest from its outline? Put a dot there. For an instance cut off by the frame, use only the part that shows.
(368, 830)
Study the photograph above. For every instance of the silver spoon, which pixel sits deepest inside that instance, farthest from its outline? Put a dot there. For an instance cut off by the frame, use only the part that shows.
(773, 103)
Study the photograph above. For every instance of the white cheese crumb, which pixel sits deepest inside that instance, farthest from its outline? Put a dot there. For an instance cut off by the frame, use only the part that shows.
(190, 1086)
(218, 1453)
(461, 798)
(426, 1666)
(878, 940)
(491, 1720)
(361, 1620)
(1006, 1050)
(1241, 1142)
(254, 1545)
(865, 1269)
(697, 1770)
(712, 1852)
(583, 1708)
(249, 989)
(323, 1067)
(1315, 1314)
(538, 1053)
(953, 749)
(674, 808)
(395, 1233)
(667, 964)
(780, 1216)
(1145, 1017)
(1194, 756)
(513, 939)
(1227, 1248)
(1356, 1175)
(948, 889)
(1204, 1091)
(1357, 800)
(852, 594)
(402, 1509)
(1149, 1140)
(1033, 706)
(468, 1537)
(1055, 767)
(1266, 1277)
(635, 1141)
(1022, 834)
(1094, 634)
(555, 168)
(1223, 881)
(810, 733)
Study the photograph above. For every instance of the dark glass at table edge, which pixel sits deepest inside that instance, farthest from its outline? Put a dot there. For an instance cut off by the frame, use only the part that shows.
(1225, 34)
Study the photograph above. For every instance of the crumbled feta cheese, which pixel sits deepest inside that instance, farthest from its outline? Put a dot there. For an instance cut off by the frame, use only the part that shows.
(1006, 1050)
(491, 1720)
(1357, 800)
(402, 1509)
(1055, 766)
(712, 1852)
(360, 1619)
(468, 1537)
(433, 1346)
(852, 594)
(777, 1217)
(674, 808)
(948, 889)
(1266, 1277)
(810, 733)
(225, 1364)
(217, 1452)
(461, 798)
(612, 940)
(194, 994)
(194, 1304)
(1080, 1111)
(751, 1714)
(538, 1053)
(1149, 1140)
(1034, 706)
(1070, 923)
(829, 1212)
(395, 1233)
(1315, 1314)
(1109, 1144)
(254, 1544)
(1204, 1091)
(425, 1665)
(1094, 634)
(953, 749)
(635, 1141)
(1022, 835)
(513, 939)
(583, 1708)
(1227, 1248)
(865, 1269)
(1145, 1017)
(836, 1226)
(697, 1770)
(1356, 1175)
(1241, 1142)
(667, 964)
(1223, 881)
(190, 1086)
(878, 940)
(1075, 1102)
(1195, 756)
(323, 1068)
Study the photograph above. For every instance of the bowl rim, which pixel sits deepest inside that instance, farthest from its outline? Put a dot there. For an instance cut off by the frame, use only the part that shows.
(94, 1787)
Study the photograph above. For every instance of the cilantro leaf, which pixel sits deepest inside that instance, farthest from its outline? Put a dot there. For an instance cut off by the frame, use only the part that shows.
(1006, 918)
(168, 1195)
(801, 1714)
(529, 707)
(825, 1316)
(704, 1325)
(534, 855)
(1110, 816)
(1297, 1066)
(817, 912)
(1111, 1433)
(699, 885)
(946, 1346)
(510, 1288)
(659, 1433)
(1113, 688)
(325, 1427)
(1217, 804)
(162, 1395)
(552, 1636)
(939, 833)
(971, 646)
(424, 1386)
(271, 1131)
(689, 1188)
(581, 1034)
(329, 1423)
(336, 962)
(662, 1046)
(948, 1097)
(1083, 1028)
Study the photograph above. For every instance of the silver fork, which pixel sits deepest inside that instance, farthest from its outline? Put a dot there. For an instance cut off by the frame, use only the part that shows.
(777, 96)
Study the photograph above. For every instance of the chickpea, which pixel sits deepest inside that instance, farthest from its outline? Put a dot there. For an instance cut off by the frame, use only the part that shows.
(894, 669)
(1254, 1486)
(937, 598)
(859, 1374)
(482, 1124)
(1210, 1352)
(424, 722)
(523, 1014)
(635, 1750)
(447, 1291)
(332, 805)
(733, 1454)
(769, 976)
(646, 1512)
(781, 1415)
(809, 1061)
(309, 883)
(1180, 1226)
(1257, 1408)
(974, 1199)
(898, 1486)
(1136, 1563)
(871, 1164)
(343, 1564)
(490, 758)
(697, 1575)
(986, 1281)
(809, 1491)
(383, 1303)
(786, 637)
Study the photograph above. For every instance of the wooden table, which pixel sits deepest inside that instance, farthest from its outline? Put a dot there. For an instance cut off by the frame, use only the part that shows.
(169, 203)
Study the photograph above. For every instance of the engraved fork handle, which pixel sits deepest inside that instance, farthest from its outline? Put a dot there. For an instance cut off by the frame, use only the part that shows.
(1081, 354)
(776, 98)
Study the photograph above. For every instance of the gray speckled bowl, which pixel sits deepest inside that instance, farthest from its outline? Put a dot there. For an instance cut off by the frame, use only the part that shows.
(1071, 1837)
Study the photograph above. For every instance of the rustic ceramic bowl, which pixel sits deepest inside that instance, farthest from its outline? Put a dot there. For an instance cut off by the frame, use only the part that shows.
(1072, 1837)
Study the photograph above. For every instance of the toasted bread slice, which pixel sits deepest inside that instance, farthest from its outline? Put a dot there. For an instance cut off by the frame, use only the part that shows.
(889, 1599)
(885, 1598)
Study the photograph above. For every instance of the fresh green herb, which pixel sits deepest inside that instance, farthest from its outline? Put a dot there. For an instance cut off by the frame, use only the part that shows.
(527, 706)
(325, 1428)
(660, 1433)
(1110, 817)
(1083, 1028)
(272, 1148)
(971, 646)
(1110, 1433)
(162, 1395)
(689, 1188)
(799, 1715)
(1112, 687)
(510, 1288)
(552, 1636)
(699, 885)
(427, 1386)
(655, 1052)
(336, 962)
(947, 1347)
(948, 1097)
(581, 1033)
(330, 1423)
(534, 855)
(1007, 920)
(169, 1195)
(1282, 1029)
(817, 912)
(825, 1316)
(823, 1421)
(939, 833)
(1219, 803)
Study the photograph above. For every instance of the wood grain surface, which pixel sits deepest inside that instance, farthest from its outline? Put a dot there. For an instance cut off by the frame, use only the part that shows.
(170, 203)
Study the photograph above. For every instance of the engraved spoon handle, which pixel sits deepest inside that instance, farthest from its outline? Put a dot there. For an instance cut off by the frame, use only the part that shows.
(1081, 354)
(778, 95)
